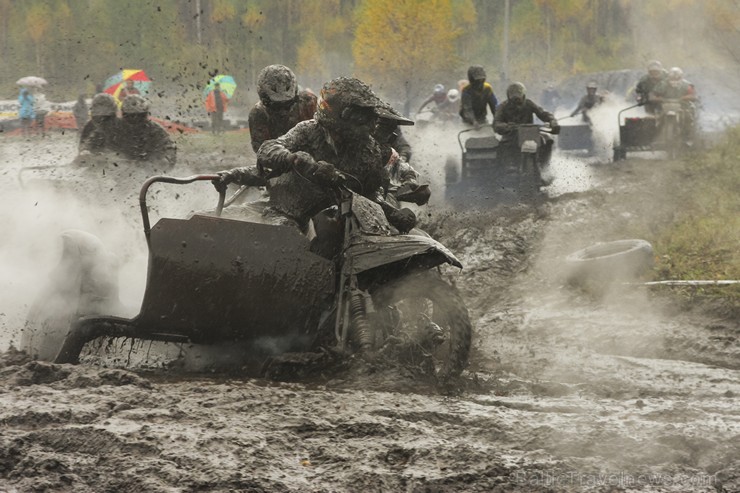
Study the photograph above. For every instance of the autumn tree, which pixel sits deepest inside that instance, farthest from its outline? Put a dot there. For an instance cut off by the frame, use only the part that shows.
(403, 46)
(38, 22)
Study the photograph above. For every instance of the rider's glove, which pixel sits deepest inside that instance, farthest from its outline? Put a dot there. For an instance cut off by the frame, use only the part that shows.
(554, 126)
(411, 192)
(304, 163)
(326, 174)
(223, 180)
(402, 219)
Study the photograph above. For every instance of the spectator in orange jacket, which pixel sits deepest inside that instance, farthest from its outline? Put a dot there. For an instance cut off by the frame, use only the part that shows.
(216, 102)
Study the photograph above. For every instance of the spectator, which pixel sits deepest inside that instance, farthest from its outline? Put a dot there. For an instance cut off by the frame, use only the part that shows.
(81, 112)
(216, 102)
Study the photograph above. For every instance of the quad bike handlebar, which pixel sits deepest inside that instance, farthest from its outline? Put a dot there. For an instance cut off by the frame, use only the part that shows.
(176, 181)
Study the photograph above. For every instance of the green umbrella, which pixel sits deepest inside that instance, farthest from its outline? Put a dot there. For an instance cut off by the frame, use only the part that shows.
(228, 86)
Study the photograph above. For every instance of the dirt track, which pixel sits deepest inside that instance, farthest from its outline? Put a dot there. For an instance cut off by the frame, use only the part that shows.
(565, 393)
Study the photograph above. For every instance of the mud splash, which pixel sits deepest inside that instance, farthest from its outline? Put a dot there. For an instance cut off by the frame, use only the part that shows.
(565, 392)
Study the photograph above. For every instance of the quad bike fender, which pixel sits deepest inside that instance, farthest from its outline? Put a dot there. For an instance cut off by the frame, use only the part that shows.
(85, 282)
(368, 252)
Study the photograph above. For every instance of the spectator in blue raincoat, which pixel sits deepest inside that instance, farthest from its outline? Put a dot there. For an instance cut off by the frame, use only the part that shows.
(25, 110)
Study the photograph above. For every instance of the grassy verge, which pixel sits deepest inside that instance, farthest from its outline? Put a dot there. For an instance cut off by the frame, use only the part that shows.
(702, 241)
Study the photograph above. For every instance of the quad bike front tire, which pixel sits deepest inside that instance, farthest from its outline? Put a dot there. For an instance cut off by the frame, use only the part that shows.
(421, 303)
(529, 178)
(85, 282)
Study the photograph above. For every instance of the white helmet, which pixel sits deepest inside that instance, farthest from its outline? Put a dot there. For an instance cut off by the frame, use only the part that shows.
(276, 84)
(675, 73)
(453, 95)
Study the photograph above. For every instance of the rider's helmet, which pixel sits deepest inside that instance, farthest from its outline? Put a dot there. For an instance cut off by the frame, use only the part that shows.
(655, 68)
(675, 76)
(453, 95)
(347, 106)
(387, 114)
(134, 105)
(276, 85)
(439, 89)
(516, 92)
(476, 73)
(103, 105)
(591, 87)
(388, 121)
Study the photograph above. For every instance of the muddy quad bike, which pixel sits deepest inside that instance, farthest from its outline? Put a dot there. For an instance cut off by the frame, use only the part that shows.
(432, 117)
(214, 280)
(534, 160)
(492, 173)
(479, 179)
(672, 122)
(576, 137)
(635, 134)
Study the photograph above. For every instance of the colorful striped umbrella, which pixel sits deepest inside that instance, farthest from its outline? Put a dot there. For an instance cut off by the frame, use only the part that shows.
(228, 85)
(115, 83)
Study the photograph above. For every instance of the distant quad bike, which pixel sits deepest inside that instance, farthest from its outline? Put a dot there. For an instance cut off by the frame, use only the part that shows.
(635, 134)
(673, 122)
(432, 117)
(577, 137)
(358, 287)
(491, 174)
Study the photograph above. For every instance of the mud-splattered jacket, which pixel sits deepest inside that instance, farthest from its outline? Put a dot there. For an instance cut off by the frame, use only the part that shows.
(508, 113)
(146, 142)
(97, 137)
(265, 124)
(587, 102)
(643, 89)
(683, 89)
(474, 103)
(646, 84)
(364, 163)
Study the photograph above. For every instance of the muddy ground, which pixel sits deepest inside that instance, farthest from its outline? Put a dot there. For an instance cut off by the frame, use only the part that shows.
(633, 391)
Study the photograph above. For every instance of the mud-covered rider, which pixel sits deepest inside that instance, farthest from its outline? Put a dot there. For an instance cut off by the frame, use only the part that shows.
(656, 74)
(100, 133)
(438, 97)
(590, 100)
(678, 88)
(388, 130)
(518, 110)
(337, 145)
(141, 139)
(281, 106)
(403, 177)
(477, 97)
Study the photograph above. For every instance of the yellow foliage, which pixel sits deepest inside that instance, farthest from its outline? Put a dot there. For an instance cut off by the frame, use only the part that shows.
(223, 10)
(405, 41)
(38, 22)
(311, 63)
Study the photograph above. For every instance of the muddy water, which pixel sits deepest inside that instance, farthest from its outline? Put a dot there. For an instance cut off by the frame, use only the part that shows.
(566, 391)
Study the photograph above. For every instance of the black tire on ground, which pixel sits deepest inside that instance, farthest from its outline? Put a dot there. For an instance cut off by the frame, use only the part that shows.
(605, 262)
(415, 300)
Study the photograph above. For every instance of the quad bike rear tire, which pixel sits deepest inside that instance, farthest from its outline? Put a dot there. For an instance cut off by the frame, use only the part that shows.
(85, 282)
(427, 297)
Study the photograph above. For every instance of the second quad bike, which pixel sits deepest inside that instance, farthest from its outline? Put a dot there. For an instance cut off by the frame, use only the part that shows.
(635, 134)
(359, 286)
(492, 173)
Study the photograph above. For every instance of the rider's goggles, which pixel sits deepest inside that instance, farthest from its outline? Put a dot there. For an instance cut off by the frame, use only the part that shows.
(358, 115)
(282, 105)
